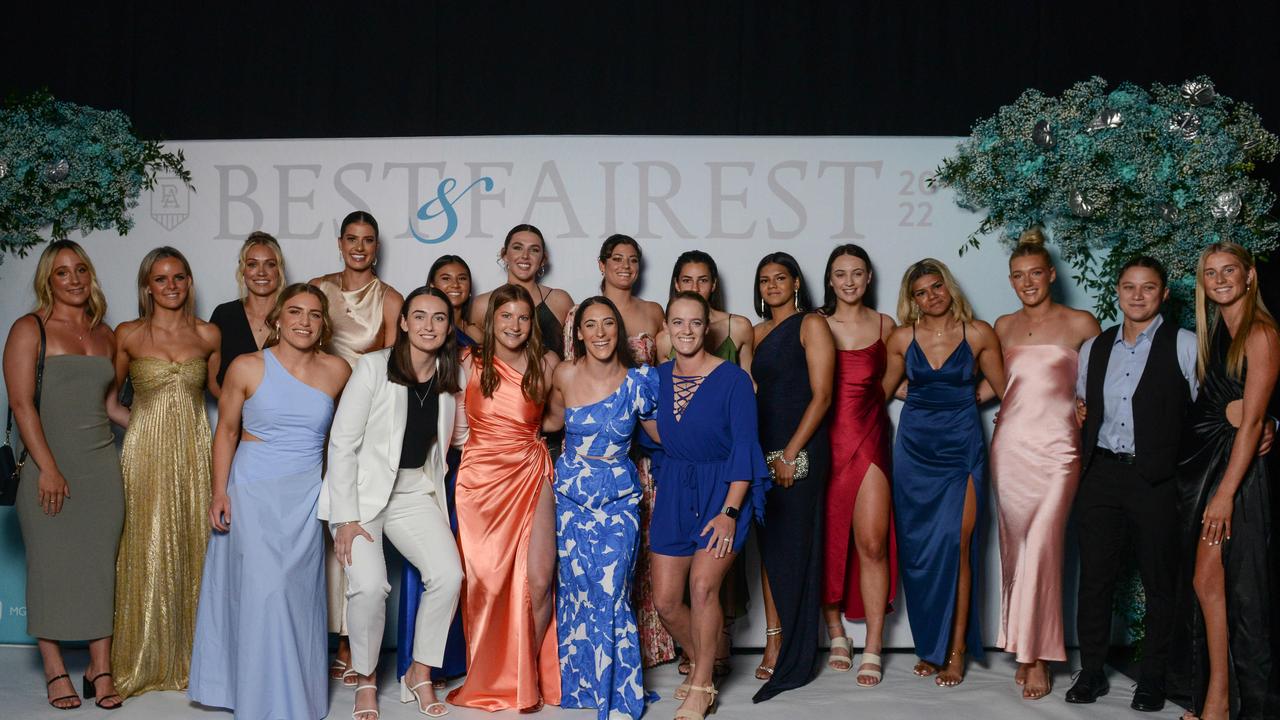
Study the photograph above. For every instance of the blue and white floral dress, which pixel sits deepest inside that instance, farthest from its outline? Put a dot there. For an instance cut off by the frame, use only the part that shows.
(597, 535)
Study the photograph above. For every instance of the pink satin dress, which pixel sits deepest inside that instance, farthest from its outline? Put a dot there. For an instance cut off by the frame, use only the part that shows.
(505, 465)
(1035, 467)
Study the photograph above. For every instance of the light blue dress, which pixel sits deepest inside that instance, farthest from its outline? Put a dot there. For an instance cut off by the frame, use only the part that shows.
(597, 535)
(260, 645)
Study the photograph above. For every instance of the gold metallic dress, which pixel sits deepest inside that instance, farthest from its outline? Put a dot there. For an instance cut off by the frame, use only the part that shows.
(165, 464)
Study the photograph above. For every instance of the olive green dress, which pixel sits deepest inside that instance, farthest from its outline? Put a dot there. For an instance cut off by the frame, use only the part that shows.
(71, 556)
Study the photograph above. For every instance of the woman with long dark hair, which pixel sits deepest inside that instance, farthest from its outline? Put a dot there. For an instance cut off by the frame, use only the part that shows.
(70, 504)
(170, 356)
(861, 582)
(506, 515)
(451, 275)
(793, 370)
(395, 489)
(260, 644)
(600, 397)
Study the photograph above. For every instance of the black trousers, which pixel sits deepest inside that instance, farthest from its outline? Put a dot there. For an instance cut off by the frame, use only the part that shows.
(1118, 512)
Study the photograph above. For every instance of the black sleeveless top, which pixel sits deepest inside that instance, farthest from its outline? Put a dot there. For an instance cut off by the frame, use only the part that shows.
(781, 372)
(552, 330)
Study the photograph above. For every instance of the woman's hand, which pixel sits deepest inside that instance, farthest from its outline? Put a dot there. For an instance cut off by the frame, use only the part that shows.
(1215, 525)
(784, 475)
(345, 537)
(1081, 412)
(220, 512)
(721, 528)
(52, 490)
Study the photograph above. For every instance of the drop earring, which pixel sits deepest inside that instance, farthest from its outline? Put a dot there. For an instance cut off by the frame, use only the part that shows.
(796, 299)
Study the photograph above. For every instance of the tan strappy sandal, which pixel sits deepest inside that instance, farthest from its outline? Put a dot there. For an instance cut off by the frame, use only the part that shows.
(684, 714)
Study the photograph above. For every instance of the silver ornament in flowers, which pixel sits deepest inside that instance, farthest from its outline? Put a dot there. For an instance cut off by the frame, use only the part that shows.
(1042, 135)
(1197, 92)
(1106, 119)
(4, 169)
(57, 171)
(1080, 207)
(1226, 205)
(1187, 123)
(1169, 212)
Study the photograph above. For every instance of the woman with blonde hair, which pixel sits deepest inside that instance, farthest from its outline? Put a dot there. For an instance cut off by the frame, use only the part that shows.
(1223, 490)
(260, 643)
(243, 322)
(1035, 461)
(940, 463)
(506, 514)
(62, 393)
(170, 356)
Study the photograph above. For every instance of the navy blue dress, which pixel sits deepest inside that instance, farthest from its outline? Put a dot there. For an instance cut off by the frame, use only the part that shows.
(791, 542)
(411, 587)
(938, 448)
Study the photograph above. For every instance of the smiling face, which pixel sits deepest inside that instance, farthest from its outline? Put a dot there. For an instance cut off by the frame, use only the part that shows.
(262, 271)
(70, 279)
(622, 268)
(599, 332)
(301, 321)
(453, 280)
(168, 283)
(931, 295)
(358, 245)
(1141, 293)
(512, 323)
(1225, 278)
(777, 285)
(426, 323)
(696, 277)
(524, 255)
(1030, 277)
(686, 326)
(849, 279)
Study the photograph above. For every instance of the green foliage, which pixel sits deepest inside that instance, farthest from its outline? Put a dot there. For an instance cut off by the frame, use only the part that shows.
(1151, 188)
(106, 168)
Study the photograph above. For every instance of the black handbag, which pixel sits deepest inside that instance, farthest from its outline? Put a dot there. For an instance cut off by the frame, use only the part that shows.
(10, 469)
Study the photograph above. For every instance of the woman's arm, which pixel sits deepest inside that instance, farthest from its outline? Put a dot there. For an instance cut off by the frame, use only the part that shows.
(553, 420)
(895, 365)
(212, 336)
(226, 436)
(116, 412)
(1262, 353)
(20, 357)
(990, 359)
(745, 338)
(820, 357)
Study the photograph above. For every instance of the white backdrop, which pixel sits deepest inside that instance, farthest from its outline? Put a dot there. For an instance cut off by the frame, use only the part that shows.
(737, 198)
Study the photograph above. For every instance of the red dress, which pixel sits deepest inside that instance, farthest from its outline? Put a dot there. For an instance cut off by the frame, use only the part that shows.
(860, 437)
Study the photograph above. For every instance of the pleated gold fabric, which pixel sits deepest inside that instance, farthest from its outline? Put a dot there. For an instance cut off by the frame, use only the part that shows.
(165, 464)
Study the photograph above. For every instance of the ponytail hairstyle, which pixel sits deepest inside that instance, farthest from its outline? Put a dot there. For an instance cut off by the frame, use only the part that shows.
(453, 260)
(1254, 313)
(1031, 242)
(399, 364)
(534, 384)
(255, 239)
(611, 243)
(716, 300)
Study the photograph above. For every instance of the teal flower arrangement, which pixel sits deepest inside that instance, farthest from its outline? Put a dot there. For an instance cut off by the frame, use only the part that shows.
(69, 167)
(1117, 173)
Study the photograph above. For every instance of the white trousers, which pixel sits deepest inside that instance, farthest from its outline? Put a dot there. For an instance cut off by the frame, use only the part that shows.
(414, 523)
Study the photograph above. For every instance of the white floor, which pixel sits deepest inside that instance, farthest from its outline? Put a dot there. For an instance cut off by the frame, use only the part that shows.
(988, 692)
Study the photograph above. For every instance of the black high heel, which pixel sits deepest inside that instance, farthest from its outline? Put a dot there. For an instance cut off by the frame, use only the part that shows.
(72, 696)
(91, 690)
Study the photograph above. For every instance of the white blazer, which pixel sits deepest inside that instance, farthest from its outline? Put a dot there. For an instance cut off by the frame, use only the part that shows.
(365, 441)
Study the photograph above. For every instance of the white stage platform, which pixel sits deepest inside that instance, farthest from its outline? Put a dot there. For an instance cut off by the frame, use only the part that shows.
(988, 693)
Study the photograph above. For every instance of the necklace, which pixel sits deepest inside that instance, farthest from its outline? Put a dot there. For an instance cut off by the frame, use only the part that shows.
(422, 399)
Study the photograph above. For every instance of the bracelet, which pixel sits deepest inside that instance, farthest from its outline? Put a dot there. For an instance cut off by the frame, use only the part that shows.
(785, 461)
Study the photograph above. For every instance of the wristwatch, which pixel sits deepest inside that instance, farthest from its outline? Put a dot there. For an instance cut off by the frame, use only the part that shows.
(731, 511)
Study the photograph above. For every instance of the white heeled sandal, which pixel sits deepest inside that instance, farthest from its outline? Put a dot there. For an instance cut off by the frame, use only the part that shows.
(358, 714)
(410, 695)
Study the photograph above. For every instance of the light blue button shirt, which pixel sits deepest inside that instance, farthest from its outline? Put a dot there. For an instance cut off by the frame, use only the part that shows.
(1124, 371)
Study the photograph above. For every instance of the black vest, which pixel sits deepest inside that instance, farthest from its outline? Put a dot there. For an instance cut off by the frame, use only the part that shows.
(1159, 404)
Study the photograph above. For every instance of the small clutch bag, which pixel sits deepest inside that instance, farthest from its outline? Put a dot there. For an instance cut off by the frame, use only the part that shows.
(801, 463)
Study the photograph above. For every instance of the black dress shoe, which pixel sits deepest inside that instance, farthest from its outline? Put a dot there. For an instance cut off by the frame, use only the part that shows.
(1148, 699)
(1090, 685)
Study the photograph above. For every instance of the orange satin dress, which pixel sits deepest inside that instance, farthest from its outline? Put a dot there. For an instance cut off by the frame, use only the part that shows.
(505, 465)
